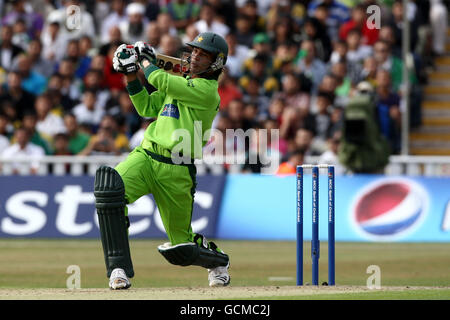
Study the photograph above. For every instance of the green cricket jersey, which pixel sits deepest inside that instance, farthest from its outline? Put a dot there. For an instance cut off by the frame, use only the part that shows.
(185, 109)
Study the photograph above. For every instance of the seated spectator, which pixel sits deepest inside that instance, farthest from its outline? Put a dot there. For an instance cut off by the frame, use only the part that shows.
(183, 12)
(153, 34)
(387, 34)
(250, 9)
(323, 107)
(20, 99)
(89, 112)
(61, 145)
(244, 32)
(115, 18)
(8, 50)
(303, 140)
(237, 54)
(228, 90)
(357, 51)
(308, 64)
(254, 93)
(330, 156)
(4, 134)
(101, 144)
(369, 70)
(32, 81)
(126, 110)
(77, 139)
(169, 45)
(23, 148)
(190, 34)
(208, 21)
(111, 124)
(294, 159)
(340, 49)
(294, 119)
(235, 114)
(292, 92)
(39, 65)
(138, 136)
(71, 85)
(133, 29)
(48, 123)
(333, 12)
(314, 30)
(20, 36)
(34, 20)
(93, 81)
(112, 79)
(60, 102)
(53, 42)
(388, 110)
(165, 24)
(262, 73)
(344, 83)
(29, 122)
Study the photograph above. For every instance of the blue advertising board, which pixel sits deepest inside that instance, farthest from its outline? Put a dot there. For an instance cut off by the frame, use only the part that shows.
(55, 207)
(367, 208)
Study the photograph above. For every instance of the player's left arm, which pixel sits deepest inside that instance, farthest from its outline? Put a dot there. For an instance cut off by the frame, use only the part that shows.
(194, 93)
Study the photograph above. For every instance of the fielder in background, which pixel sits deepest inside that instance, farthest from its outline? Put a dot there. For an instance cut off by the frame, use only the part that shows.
(179, 104)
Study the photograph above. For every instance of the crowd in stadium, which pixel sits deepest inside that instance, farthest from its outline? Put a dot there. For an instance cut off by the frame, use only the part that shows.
(292, 66)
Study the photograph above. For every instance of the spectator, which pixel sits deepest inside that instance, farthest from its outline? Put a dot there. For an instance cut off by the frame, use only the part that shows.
(261, 72)
(138, 136)
(369, 70)
(113, 80)
(115, 18)
(359, 22)
(32, 81)
(303, 140)
(165, 24)
(310, 65)
(23, 12)
(344, 83)
(77, 139)
(153, 34)
(21, 100)
(111, 124)
(71, 85)
(323, 106)
(29, 122)
(294, 119)
(336, 14)
(235, 113)
(61, 145)
(250, 10)
(439, 23)
(244, 33)
(8, 51)
(314, 30)
(237, 54)
(101, 144)
(388, 110)
(133, 29)
(208, 21)
(183, 12)
(77, 30)
(191, 33)
(48, 123)
(53, 42)
(169, 45)
(23, 148)
(4, 137)
(20, 37)
(127, 110)
(39, 65)
(89, 112)
(292, 92)
(357, 51)
(294, 159)
(60, 102)
(255, 94)
(330, 156)
(228, 90)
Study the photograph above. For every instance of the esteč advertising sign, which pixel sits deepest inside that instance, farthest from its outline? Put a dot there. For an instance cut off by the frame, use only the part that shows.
(57, 207)
(367, 208)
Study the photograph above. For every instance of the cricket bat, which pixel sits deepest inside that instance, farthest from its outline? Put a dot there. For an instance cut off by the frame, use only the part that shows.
(172, 65)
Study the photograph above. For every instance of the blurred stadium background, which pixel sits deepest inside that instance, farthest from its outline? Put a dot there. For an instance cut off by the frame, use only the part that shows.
(360, 84)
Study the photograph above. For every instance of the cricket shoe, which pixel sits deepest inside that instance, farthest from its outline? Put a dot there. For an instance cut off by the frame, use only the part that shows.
(119, 280)
(219, 277)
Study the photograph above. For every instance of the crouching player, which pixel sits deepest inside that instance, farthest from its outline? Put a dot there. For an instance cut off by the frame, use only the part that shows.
(177, 103)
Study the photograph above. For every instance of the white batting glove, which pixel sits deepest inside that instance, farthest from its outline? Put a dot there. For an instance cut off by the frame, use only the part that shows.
(125, 59)
(145, 51)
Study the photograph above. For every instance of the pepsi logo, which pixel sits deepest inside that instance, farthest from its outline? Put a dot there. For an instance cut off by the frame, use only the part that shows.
(389, 208)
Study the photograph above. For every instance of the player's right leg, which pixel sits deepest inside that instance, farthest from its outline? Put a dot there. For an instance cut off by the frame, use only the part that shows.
(113, 189)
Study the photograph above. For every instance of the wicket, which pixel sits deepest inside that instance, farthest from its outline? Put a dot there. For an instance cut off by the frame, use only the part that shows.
(315, 243)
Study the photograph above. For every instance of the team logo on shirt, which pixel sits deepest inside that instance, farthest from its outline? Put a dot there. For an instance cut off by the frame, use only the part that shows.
(171, 110)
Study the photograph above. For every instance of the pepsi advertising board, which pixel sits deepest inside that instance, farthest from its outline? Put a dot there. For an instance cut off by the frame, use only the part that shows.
(57, 207)
(367, 208)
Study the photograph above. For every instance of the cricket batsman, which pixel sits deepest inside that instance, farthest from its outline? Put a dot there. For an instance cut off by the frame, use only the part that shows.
(177, 103)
